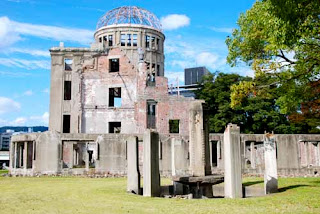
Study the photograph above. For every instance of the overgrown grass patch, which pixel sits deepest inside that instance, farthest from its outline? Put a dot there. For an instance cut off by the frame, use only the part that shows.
(108, 195)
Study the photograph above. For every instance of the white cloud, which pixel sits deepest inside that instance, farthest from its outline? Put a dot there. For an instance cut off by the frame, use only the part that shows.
(28, 93)
(7, 34)
(222, 29)
(26, 64)
(207, 59)
(14, 74)
(8, 105)
(12, 31)
(42, 119)
(174, 76)
(46, 90)
(174, 21)
(32, 52)
(18, 122)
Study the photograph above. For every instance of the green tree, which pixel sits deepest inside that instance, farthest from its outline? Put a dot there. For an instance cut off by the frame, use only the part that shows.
(254, 115)
(280, 39)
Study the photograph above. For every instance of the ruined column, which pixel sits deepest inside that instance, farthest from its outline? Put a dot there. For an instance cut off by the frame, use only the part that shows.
(199, 141)
(15, 155)
(219, 154)
(87, 158)
(232, 162)
(151, 174)
(173, 165)
(253, 155)
(270, 174)
(133, 174)
(25, 155)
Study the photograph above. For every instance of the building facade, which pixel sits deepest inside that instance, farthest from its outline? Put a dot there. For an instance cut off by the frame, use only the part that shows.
(115, 89)
(112, 89)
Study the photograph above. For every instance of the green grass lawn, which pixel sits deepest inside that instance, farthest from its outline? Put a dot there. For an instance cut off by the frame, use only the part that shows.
(108, 195)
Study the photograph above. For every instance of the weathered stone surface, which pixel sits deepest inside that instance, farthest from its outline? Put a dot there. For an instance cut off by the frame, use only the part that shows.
(271, 174)
(151, 174)
(199, 141)
(133, 174)
(232, 162)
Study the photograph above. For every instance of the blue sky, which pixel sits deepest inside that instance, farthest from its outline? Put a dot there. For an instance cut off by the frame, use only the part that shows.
(195, 34)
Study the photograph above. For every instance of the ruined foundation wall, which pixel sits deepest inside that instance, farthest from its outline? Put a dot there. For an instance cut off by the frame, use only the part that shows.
(52, 153)
(296, 154)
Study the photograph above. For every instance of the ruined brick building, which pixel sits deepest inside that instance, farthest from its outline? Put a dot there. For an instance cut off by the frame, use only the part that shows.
(114, 89)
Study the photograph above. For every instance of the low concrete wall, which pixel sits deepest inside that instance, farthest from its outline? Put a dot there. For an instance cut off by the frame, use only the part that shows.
(296, 154)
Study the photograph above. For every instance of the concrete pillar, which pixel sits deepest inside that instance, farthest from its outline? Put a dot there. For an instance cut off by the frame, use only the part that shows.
(25, 155)
(232, 162)
(151, 175)
(219, 154)
(199, 141)
(253, 155)
(173, 165)
(87, 158)
(270, 174)
(15, 156)
(318, 154)
(133, 174)
(210, 149)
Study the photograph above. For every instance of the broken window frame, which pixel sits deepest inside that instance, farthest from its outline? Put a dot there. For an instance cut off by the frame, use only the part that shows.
(113, 94)
(134, 40)
(67, 90)
(129, 40)
(158, 70)
(68, 64)
(114, 65)
(174, 126)
(114, 127)
(66, 123)
(147, 41)
(123, 39)
(158, 43)
(151, 114)
(153, 42)
(110, 40)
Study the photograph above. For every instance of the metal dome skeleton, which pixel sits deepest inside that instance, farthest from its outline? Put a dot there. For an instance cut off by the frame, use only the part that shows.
(129, 15)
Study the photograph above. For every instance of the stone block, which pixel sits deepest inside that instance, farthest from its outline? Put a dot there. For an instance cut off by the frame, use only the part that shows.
(133, 174)
(232, 162)
(151, 174)
(270, 174)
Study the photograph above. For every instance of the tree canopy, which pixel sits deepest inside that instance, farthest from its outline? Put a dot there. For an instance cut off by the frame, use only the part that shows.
(255, 115)
(280, 40)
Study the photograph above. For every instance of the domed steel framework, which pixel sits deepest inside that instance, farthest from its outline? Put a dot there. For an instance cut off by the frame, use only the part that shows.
(129, 15)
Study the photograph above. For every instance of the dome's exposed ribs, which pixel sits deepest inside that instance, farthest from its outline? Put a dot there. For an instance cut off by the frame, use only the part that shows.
(129, 15)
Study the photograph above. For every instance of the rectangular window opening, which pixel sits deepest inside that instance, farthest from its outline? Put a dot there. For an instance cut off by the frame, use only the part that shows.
(153, 42)
(68, 64)
(147, 41)
(158, 43)
(174, 126)
(110, 40)
(128, 39)
(114, 97)
(114, 65)
(151, 115)
(214, 153)
(115, 127)
(66, 123)
(158, 70)
(123, 39)
(67, 90)
(134, 40)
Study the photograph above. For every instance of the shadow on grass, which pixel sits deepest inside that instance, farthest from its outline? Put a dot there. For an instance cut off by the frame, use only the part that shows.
(283, 189)
(249, 183)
